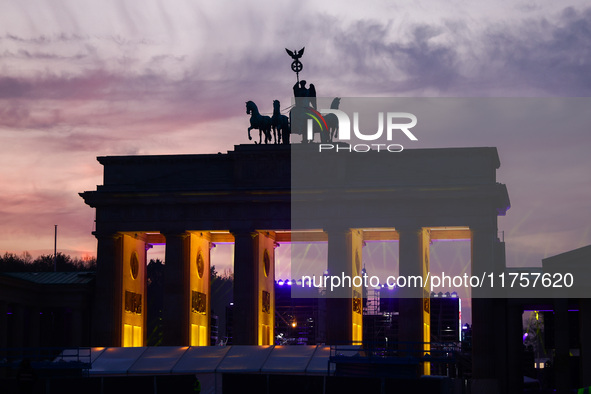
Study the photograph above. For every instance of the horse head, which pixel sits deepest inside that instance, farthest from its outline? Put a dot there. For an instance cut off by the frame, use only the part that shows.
(250, 106)
(335, 103)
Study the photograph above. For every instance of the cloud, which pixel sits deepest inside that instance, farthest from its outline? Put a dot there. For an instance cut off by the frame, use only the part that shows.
(78, 81)
(551, 55)
(542, 55)
(13, 87)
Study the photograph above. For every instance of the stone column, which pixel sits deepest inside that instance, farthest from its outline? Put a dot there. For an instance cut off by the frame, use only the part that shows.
(254, 287)
(562, 345)
(502, 342)
(584, 330)
(344, 306)
(514, 364)
(245, 288)
(415, 324)
(176, 291)
(484, 346)
(106, 319)
(133, 290)
(199, 266)
(265, 267)
(147, 247)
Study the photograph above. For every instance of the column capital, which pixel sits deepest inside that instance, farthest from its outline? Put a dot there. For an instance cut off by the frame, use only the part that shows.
(413, 236)
(107, 235)
(267, 233)
(483, 228)
(170, 234)
(411, 228)
(202, 234)
(337, 229)
(242, 231)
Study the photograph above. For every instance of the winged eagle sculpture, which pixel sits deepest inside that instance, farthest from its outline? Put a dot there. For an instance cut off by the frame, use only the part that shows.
(295, 55)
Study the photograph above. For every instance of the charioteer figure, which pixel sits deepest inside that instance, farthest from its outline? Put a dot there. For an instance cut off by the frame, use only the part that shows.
(304, 97)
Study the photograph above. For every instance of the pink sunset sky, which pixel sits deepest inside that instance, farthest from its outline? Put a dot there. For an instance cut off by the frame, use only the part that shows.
(82, 79)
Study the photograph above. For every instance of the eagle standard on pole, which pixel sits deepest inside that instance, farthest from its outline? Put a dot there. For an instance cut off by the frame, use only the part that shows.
(296, 65)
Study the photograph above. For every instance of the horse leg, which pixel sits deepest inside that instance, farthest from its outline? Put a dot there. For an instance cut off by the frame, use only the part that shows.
(285, 130)
(249, 137)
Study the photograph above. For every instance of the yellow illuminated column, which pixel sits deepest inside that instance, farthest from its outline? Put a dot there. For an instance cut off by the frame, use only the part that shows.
(199, 264)
(425, 244)
(354, 245)
(345, 303)
(254, 287)
(265, 267)
(415, 305)
(133, 296)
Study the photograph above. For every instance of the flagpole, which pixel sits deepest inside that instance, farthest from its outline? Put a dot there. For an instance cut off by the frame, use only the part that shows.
(55, 250)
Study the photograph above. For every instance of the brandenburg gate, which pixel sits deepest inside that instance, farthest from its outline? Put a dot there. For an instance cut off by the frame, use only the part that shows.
(246, 196)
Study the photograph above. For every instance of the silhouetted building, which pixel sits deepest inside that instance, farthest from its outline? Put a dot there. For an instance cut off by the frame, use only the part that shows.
(45, 309)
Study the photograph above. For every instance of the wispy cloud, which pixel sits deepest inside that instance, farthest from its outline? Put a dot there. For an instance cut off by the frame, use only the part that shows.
(84, 79)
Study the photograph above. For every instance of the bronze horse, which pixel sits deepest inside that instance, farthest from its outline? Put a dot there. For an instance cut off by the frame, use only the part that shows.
(298, 116)
(258, 121)
(280, 123)
(332, 121)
